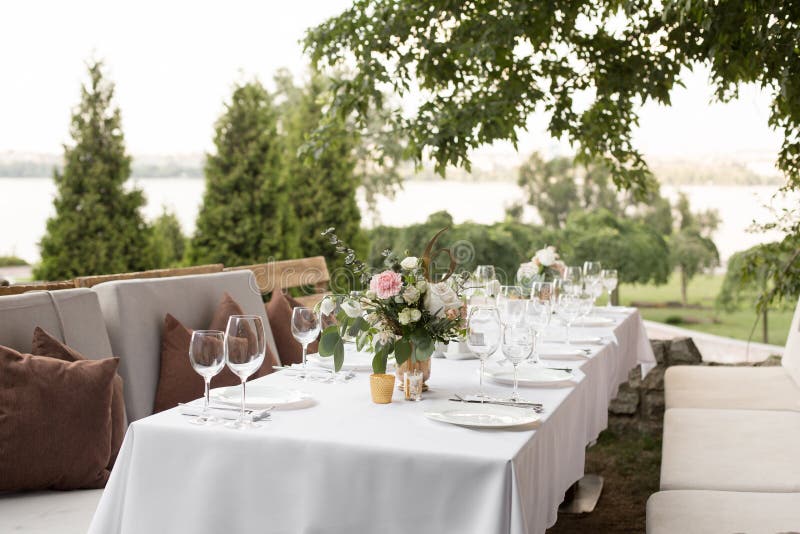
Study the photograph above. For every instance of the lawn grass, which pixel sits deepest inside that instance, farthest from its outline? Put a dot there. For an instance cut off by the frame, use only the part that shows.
(702, 292)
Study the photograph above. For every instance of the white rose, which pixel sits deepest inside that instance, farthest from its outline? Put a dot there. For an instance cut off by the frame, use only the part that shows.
(370, 294)
(409, 315)
(440, 298)
(409, 262)
(415, 314)
(527, 270)
(352, 308)
(399, 299)
(411, 294)
(546, 256)
(422, 286)
(327, 306)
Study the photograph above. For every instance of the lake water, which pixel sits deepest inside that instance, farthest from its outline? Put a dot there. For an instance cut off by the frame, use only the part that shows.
(26, 203)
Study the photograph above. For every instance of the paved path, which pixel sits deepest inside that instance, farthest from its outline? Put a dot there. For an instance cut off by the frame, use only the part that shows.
(715, 348)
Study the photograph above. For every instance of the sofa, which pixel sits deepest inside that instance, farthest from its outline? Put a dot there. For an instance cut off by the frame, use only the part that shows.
(729, 454)
(122, 318)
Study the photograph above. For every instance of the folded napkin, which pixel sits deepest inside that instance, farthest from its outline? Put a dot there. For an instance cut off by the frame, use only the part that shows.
(224, 412)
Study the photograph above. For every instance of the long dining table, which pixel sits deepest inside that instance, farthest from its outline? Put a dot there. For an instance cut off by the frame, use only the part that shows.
(342, 464)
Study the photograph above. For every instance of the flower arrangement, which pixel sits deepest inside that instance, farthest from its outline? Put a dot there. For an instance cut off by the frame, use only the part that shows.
(402, 313)
(545, 265)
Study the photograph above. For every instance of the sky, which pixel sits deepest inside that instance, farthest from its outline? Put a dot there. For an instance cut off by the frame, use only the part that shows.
(175, 63)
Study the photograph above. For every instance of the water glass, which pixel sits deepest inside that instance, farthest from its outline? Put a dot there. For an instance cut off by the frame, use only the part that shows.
(207, 355)
(539, 313)
(517, 345)
(569, 309)
(305, 329)
(543, 290)
(610, 280)
(245, 346)
(483, 335)
(573, 279)
(412, 385)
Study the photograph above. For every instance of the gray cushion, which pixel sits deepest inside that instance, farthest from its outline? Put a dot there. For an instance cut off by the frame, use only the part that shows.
(134, 311)
(723, 512)
(83, 325)
(731, 450)
(791, 354)
(730, 388)
(48, 512)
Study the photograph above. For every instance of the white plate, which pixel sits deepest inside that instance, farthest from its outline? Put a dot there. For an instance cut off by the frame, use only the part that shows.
(353, 361)
(576, 340)
(614, 309)
(480, 415)
(260, 396)
(595, 321)
(561, 352)
(529, 376)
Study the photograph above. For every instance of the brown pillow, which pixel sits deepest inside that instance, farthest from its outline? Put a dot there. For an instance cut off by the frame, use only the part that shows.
(279, 313)
(177, 381)
(46, 345)
(55, 421)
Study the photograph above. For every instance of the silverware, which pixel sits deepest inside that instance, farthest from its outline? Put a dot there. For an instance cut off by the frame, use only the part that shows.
(248, 411)
(520, 404)
(565, 369)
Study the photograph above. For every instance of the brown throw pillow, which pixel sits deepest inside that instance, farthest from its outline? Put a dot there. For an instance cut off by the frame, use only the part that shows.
(55, 421)
(279, 312)
(177, 381)
(46, 345)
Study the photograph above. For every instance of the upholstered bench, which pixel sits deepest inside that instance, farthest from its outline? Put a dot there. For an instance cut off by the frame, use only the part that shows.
(730, 450)
(134, 313)
(704, 512)
(748, 388)
(74, 316)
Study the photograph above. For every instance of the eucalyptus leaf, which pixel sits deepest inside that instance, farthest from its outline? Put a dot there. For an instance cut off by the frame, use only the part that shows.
(338, 355)
(328, 341)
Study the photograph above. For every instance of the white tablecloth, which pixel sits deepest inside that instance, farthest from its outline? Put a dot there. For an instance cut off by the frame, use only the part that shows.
(346, 465)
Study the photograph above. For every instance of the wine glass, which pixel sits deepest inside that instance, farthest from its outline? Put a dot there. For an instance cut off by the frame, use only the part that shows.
(483, 336)
(538, 315)
(207, 355)
(517, 345)
(543, 290)
(573, 279)
(610, 280)
(569, 308)
(486, 277)
(305, 329)
(245, 345)
(510, 304)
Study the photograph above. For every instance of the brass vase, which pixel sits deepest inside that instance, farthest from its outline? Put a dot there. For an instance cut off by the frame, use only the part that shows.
(408, 365)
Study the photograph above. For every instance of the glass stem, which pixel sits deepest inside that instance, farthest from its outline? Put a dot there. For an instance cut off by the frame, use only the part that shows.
(241, 413)
(305, 372)
(515, 395)
(608, 305)
(480, 382)
(207, 399)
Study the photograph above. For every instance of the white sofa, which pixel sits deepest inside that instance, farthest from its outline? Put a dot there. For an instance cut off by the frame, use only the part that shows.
(123, 318)
(729, 456)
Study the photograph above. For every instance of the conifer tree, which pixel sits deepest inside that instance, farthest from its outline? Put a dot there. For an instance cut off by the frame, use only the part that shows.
(322, 185)
(245, 217)
(97, 227)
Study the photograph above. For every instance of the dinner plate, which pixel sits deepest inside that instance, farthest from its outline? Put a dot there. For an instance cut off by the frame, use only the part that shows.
(576, 340)
(354, 360)
(529, 376)
(594, 321)
(480, 415)
(561, 352)
(260, 396)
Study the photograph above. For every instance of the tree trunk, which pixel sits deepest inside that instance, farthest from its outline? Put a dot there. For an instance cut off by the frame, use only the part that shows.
(764, 329)
(684, 283)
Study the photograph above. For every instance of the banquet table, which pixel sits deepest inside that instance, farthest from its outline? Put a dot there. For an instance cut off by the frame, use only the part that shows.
(343, 464)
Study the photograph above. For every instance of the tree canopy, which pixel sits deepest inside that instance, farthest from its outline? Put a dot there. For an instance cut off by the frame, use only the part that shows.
(479, 70)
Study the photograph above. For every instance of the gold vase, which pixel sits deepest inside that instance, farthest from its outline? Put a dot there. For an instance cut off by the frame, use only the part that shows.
(381, 387)
(408, 365)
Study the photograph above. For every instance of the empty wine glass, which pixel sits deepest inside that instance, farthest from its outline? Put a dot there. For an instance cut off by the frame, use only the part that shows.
(569, 308)
(305, 329)
(517, 345)
(573, 279)
(510, 304)
(483, 336)
(543, 290)
(245, 346)
(538, 315)
(486, 280)
(610, 280)
(207, 355)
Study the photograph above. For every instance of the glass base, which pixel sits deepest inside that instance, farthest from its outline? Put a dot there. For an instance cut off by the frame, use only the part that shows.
(238, 425)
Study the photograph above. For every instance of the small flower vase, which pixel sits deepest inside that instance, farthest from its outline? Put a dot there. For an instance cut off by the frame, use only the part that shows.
(381, 388)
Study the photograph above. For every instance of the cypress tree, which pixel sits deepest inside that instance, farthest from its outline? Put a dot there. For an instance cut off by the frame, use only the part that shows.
(244, 218)
(322, 185)
(98, 227)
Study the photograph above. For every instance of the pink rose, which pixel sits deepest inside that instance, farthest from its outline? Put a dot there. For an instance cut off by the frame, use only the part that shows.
(386, 284)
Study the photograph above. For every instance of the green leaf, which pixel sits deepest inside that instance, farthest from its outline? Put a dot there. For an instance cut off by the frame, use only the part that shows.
(379, 363)
(338, 355)
(402, 351)
(327, 342)
(358, 325)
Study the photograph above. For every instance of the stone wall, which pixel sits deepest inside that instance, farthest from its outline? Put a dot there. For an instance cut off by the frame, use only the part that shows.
(640, 401)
